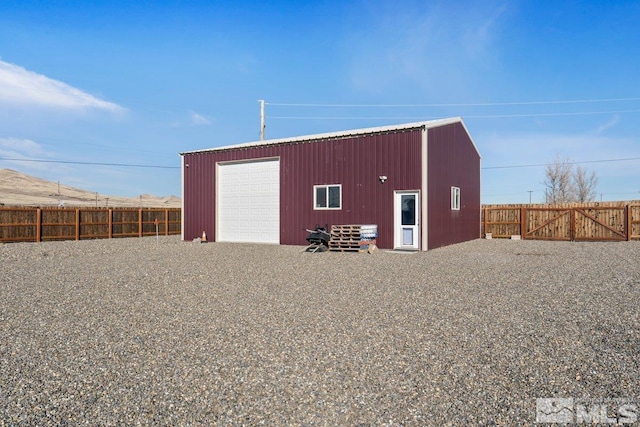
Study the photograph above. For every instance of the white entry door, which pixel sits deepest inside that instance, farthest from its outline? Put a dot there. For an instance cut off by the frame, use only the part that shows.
(407, 220)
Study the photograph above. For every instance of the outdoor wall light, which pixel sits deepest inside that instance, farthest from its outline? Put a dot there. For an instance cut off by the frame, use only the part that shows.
(186, 165)
(382, 178)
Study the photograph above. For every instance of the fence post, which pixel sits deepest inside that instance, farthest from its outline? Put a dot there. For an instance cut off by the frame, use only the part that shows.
(110, 222)
(628, 224)
(572, 224)
(523, 224)
(140, 222)
(38, 225)
(485, 223)
(77, 224)
(166, 222)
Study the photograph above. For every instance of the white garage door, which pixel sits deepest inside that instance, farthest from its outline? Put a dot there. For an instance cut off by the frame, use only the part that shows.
(249, 202)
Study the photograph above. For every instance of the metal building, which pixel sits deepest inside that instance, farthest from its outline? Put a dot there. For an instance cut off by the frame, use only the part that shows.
(419, 182)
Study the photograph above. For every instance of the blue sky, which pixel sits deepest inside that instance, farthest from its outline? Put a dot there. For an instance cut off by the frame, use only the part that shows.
(137, 82)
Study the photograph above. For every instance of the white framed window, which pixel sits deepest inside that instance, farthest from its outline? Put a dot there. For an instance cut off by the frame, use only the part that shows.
(327, 196)
(455, 198)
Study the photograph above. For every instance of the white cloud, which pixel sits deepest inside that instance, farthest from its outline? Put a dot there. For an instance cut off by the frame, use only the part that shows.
(198, 120)
(16, 147)
(19, 86)
(438, 46)
(22, 151)
(194, 119)
(608, 125)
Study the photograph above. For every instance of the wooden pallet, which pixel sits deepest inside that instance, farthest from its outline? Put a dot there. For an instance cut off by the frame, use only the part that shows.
(343, 249)
(345, 238)
(346, 230)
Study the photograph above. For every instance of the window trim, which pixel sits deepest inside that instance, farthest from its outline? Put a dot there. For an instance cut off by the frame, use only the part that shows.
(326, 187)
(455, 198)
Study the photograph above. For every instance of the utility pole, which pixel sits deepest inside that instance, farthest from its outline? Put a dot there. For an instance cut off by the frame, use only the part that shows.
(530, 191)
(262, 125)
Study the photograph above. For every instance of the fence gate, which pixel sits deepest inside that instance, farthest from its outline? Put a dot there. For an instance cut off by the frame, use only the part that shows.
(586, 222)
(601, 223)
(547, 224)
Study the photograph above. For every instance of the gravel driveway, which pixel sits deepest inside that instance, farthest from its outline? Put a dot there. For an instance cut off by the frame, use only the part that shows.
(135, 332)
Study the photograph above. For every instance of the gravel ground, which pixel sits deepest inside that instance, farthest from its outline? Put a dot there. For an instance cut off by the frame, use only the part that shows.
(135, 332)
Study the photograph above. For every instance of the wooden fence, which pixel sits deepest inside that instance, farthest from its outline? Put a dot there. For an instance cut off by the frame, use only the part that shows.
(23, 224)
(589, 221)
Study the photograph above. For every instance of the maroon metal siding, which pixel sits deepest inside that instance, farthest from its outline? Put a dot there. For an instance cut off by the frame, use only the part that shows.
(198, 197)
(354, 162)
(452, 160)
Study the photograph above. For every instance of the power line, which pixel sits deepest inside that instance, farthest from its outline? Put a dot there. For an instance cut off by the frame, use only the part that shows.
(70, 162)
(619, 194)
(132, 165)
(177, 167)
(484, 116)
(504, 194)
(478, 104)
(84, 144)
(571, 163)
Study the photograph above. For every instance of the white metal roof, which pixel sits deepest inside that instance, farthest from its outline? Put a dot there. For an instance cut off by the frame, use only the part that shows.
(341, 134)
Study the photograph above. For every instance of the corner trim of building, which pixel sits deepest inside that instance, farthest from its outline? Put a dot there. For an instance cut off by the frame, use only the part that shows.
(182, 201)
(424, 220)
(216, 201)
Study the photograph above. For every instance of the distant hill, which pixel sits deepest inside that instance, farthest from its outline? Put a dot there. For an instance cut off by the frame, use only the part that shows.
(18, 189)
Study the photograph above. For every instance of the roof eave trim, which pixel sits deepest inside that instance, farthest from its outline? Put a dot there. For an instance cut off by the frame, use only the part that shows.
(332, 135)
